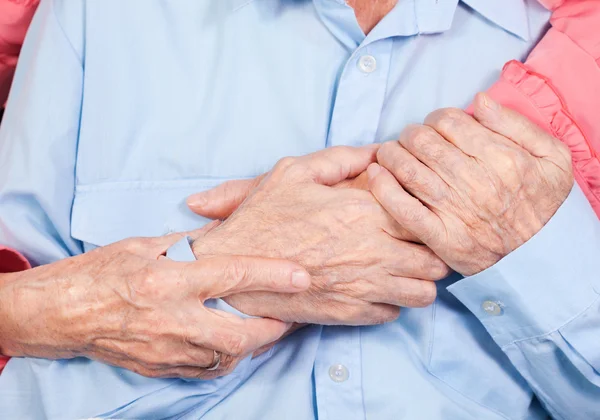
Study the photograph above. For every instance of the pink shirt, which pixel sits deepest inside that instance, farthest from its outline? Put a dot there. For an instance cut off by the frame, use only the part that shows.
(15, 16)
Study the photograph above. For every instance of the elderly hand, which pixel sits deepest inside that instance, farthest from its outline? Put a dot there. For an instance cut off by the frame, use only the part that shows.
(473, 189)
(128, 306)
(361, 272)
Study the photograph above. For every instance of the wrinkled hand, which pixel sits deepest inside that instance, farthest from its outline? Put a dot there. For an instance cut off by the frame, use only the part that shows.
(128, 306)
(361, 272)
(473, 189)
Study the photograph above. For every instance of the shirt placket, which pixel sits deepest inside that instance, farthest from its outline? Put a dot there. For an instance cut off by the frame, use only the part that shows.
(338, 375)
(360, 95)
(355, 116)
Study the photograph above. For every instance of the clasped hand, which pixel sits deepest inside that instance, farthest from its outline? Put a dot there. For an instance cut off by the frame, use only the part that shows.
(472, 189)
(362, 269)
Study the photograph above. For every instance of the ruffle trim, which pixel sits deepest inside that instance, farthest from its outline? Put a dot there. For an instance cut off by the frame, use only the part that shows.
(552, 108)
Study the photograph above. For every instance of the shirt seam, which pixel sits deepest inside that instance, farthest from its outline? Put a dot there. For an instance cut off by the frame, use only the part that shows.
(539, 392)
(469, 398)
(241, 6)
(64, 33)
(574, 41)
(429, 367)
(573, 318)
(157, 185)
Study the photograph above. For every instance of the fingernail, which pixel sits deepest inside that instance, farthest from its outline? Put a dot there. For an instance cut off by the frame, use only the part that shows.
(197, 200)
(489, 102)
(300, 279)
(373, 170)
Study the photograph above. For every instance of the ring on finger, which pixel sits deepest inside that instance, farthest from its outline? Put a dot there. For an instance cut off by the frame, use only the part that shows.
(216, 361)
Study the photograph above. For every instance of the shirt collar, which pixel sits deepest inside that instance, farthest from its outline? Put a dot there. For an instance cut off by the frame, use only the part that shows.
(510, 15)
(435, 16)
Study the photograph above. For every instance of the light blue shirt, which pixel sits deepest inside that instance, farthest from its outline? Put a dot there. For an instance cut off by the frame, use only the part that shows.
(122, 108)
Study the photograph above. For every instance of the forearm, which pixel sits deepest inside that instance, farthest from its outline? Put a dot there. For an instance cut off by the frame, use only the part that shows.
(41, 313)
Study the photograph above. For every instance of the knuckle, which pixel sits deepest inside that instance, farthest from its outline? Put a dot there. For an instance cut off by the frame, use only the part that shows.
(132, 244)
(284, 164)
(410, 174)
(422, 298)
(445, 120)
(410, 214)
(385, 314)
(332, 152)
(421, 136)
(147, 280)
(428, 294)
(385, 151)
(236, 270)
(509, 162)
(148, 373)
(228, 364)
(235, 345)
(437, 269)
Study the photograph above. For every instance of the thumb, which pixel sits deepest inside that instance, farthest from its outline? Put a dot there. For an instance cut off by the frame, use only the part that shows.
(514, 126)
(221, 201)
(202, 232)
(156, 247)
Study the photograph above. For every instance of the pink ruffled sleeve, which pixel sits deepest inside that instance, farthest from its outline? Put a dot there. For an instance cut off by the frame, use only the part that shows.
(558, 87)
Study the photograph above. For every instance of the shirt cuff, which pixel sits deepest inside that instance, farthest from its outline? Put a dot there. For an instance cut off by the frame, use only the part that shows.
(11, 261)
(548, 281)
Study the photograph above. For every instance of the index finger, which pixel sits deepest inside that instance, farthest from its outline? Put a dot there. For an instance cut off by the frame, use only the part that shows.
(515, 127)
(219, 276)
(335, 164)
(464, 131)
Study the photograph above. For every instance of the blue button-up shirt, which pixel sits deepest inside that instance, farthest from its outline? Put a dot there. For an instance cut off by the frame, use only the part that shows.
(122, 108)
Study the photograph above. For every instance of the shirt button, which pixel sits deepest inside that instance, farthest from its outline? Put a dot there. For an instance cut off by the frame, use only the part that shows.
(491, 308)
(367, 64)
(338, 373)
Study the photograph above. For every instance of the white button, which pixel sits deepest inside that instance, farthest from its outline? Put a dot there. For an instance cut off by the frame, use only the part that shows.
(367, 64)
(338, 373)
(492, 308)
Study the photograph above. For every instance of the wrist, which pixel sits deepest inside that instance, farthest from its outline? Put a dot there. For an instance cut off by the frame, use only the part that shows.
(10, 312)
(33, 319)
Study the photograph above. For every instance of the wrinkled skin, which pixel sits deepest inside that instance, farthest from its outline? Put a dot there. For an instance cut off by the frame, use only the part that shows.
(128, 306)
(473, 189)
(361, 267)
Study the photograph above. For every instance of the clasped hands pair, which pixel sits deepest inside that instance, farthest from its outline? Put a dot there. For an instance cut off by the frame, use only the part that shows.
(341, 236)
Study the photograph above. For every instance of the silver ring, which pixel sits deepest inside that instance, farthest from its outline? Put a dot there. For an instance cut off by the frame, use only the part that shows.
(216, 361)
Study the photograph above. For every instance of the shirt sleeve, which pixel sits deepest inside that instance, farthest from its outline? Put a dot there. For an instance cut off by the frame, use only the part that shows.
(541, 304)
(38, 140)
